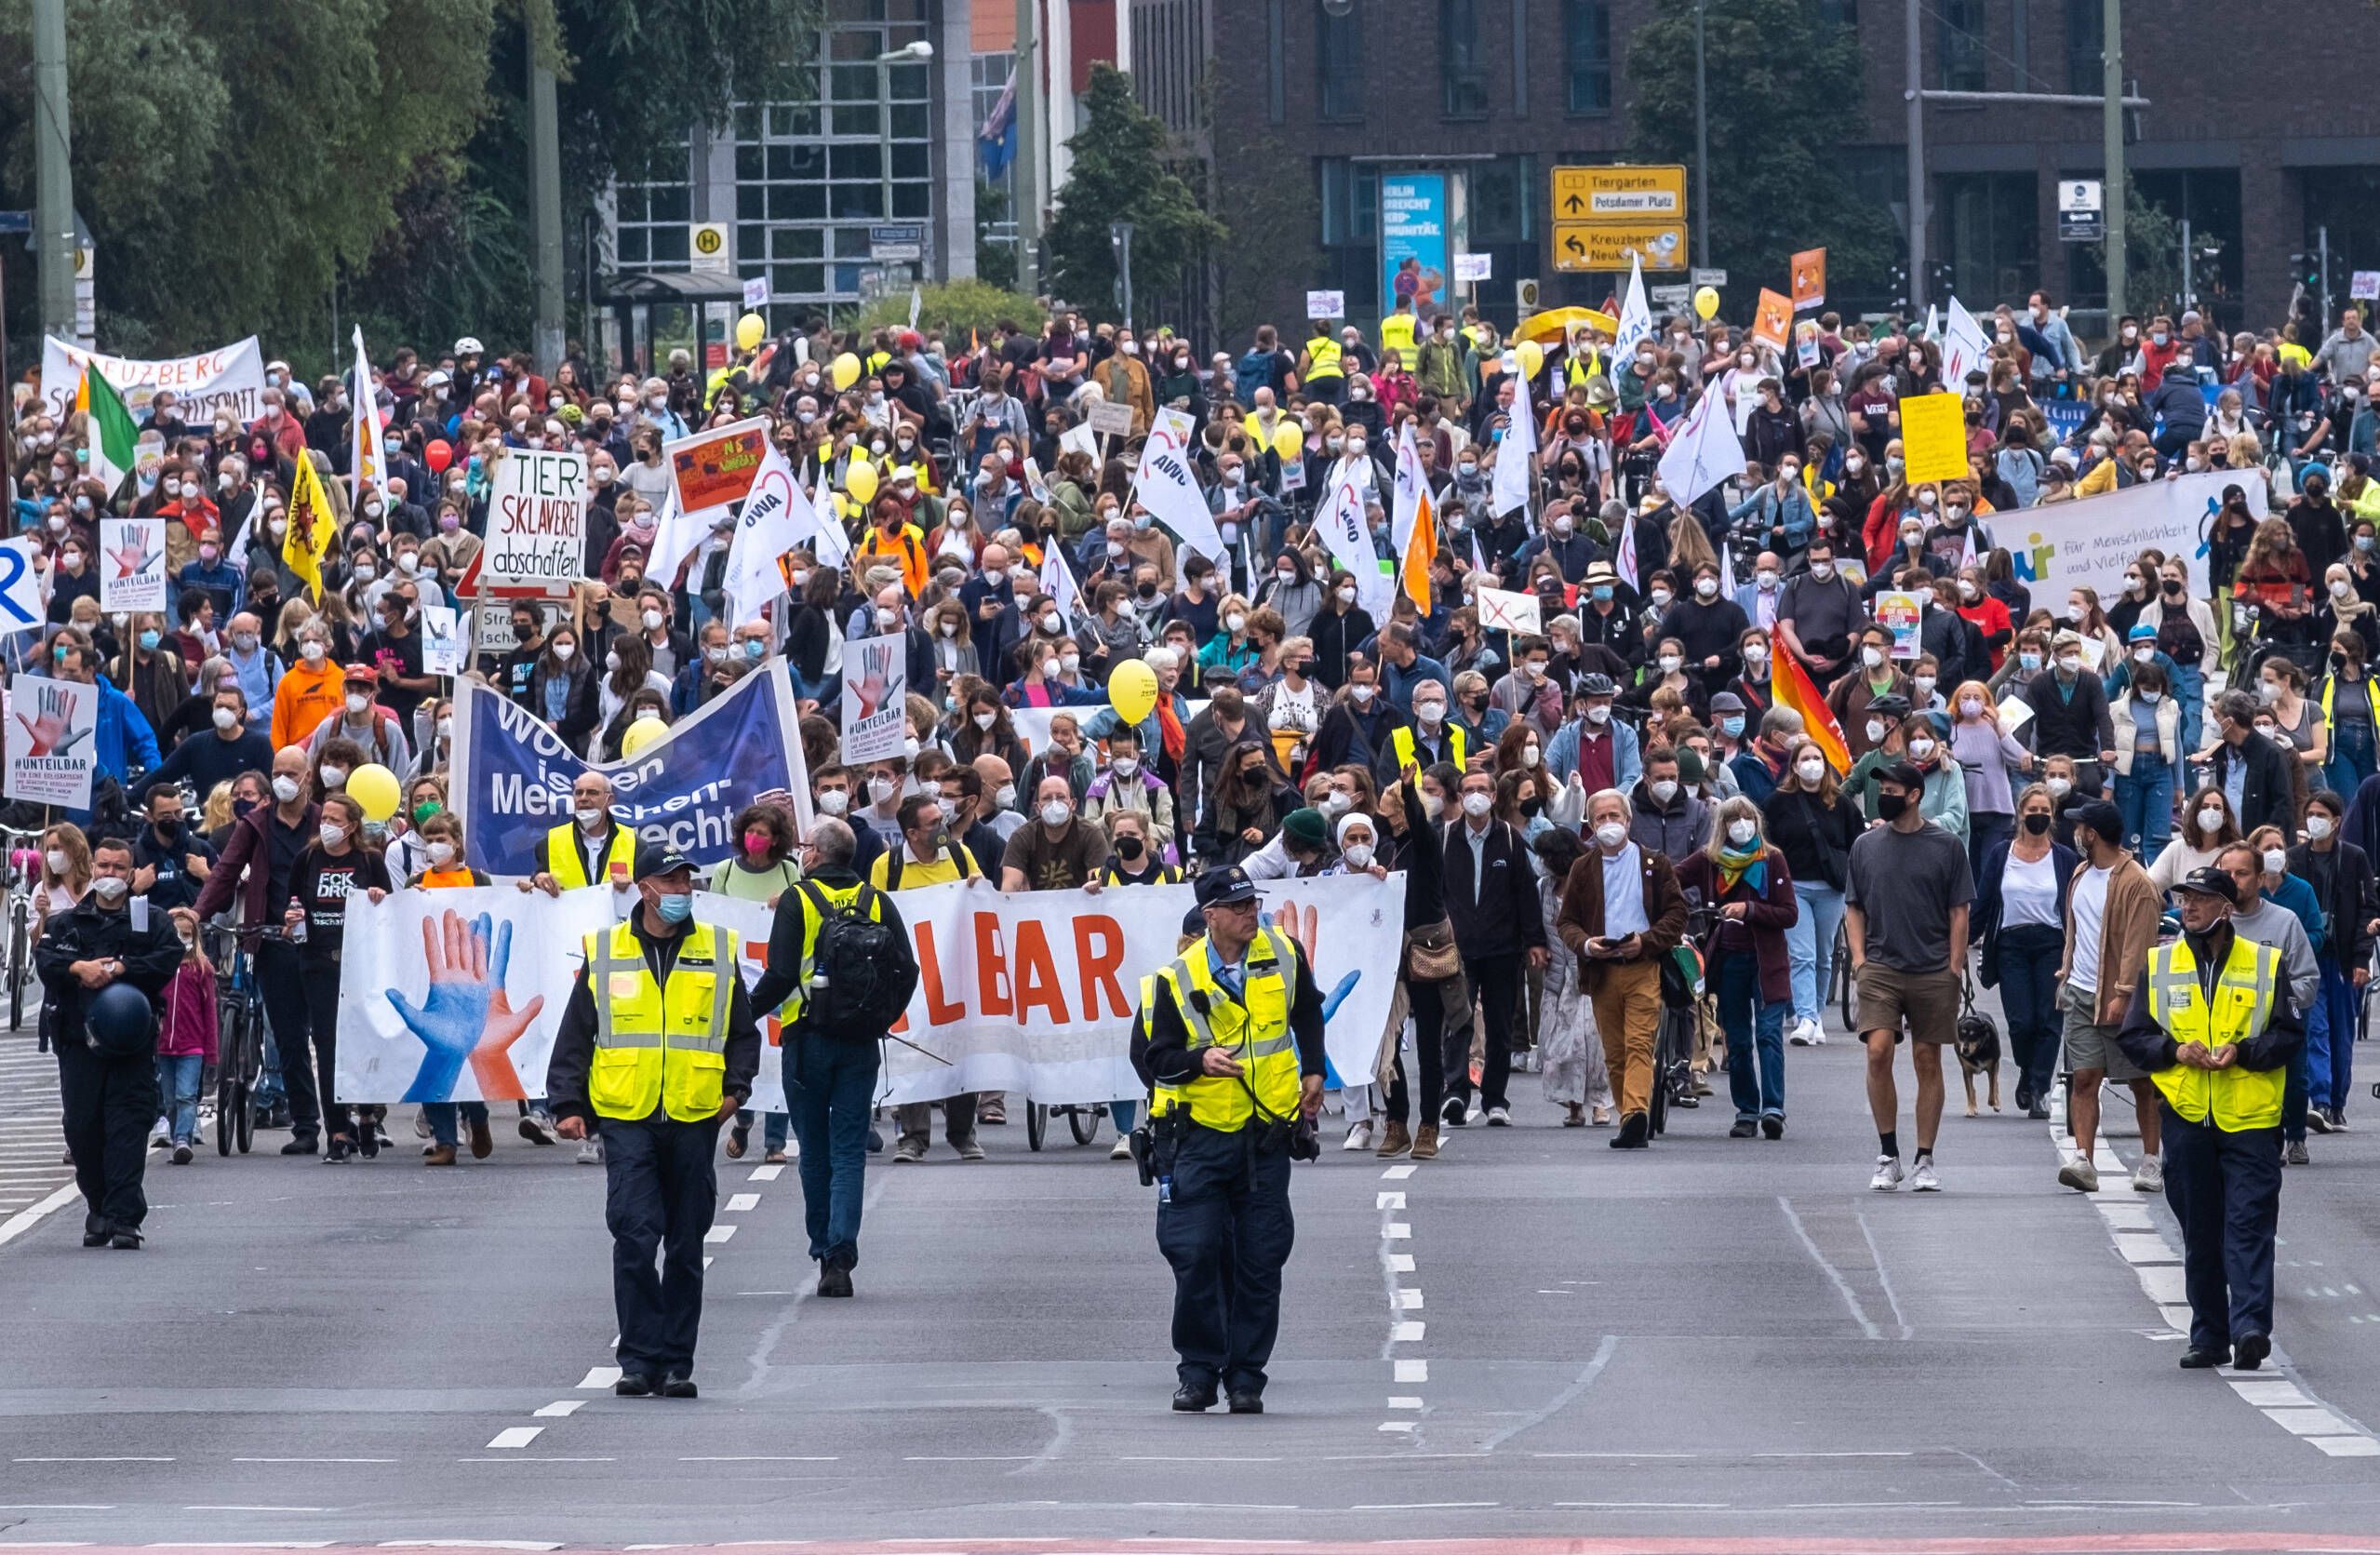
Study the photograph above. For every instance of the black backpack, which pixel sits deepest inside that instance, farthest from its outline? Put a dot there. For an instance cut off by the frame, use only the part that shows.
(861, 970)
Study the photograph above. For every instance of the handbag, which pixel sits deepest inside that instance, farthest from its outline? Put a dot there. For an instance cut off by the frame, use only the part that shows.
(1430, 955)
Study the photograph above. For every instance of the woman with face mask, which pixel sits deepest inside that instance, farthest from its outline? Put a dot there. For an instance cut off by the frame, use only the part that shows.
(1812, 823)
(562, 689)
(1746, 958)
(335, 865)
(1991, 759)
(2020, 916)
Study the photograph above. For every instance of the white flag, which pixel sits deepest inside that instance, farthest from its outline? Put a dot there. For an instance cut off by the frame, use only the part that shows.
(774, 520)
(1962, 348)
(1406, 506)
(675, 534)
(1636, 318)
(1934, 322)
(1703, 452)
(371, 460)
(1515, 479)
(1058, 580)
(1163, 483)
(1341, 520)
(1624, 557)
(826, 537)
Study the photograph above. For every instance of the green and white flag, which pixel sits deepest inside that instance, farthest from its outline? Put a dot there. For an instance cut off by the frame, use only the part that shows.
(109, 426)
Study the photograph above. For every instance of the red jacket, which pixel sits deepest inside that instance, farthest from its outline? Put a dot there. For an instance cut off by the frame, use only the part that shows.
(189, 1024)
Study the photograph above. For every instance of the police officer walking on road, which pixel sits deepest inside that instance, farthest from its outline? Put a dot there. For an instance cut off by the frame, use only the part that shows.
(658, 1041)
(1233, 1051)
(2214, 1026)
(104, 966)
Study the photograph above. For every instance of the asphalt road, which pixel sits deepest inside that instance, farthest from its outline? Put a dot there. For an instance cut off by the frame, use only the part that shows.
(1732, 1344)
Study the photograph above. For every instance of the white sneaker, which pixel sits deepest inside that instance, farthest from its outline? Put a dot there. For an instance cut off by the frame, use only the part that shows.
(2150, 1178)
(1499, 1117)
(1123, 1150)
(1800, 1036)
(1922, 1180)
(161, 1135)
(2078, 1174)
(1358, 1136)
(1888, 1173)
(591, 1152)
(1817, 1034)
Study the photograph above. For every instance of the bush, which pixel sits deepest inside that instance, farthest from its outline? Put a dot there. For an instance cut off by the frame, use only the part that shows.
(958, 309)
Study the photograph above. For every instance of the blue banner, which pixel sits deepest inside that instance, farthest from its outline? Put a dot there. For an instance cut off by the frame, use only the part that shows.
(512, 773)
(1414, 251)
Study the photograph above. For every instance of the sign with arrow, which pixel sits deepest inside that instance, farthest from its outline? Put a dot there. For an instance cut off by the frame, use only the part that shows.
(1603, 215)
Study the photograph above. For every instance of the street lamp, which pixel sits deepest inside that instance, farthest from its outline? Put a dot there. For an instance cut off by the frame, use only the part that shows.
(914, 53)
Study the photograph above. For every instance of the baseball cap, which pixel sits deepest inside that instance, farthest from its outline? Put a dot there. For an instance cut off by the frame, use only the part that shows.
(655, 860)
(2106, 819)
(2210, 881)
(1904, 773)
(2142, 632)
(1225, 887)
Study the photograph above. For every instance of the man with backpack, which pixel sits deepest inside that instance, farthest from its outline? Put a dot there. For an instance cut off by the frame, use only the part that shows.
(841, 966)
(927, 856)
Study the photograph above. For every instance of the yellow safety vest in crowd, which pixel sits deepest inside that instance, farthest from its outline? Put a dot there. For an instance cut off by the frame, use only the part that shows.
(1397, 332)
(840, 896)
(1401, 741)
(2234, 1098)
(659, 1044)
(1255, 1027)
(2330, 696)
(1322, 358)
(568, 869)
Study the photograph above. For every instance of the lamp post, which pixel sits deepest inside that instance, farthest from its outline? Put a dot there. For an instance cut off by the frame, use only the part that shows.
(915, 53)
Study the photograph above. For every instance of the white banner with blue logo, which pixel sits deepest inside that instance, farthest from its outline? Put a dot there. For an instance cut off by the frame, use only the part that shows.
(512, 773)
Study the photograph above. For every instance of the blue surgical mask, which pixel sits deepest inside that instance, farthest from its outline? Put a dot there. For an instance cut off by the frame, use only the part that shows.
(1601, 591)
(2364, 543)
(148, 640)
(674, 907)
(1733, 726)
(2030, 660)
(753, 648)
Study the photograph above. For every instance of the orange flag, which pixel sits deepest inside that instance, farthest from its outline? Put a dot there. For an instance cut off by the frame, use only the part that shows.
(1792, 685)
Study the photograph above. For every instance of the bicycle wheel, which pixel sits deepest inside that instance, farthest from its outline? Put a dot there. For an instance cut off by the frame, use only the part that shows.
(1847, 986)
(227, 1099)
(1661, 1055)
(1036, 1124)
(1083, 1123)
(19, 967)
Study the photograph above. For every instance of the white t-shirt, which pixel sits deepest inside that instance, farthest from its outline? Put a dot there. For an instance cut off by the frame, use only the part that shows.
(2028, 893)
(2090, 906)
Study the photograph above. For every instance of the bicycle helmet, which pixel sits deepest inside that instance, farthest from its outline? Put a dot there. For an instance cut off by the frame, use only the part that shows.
(1890, 705)
(469, 346)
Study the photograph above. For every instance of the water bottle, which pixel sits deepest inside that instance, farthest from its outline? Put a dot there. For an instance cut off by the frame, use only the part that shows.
(1165, 1189)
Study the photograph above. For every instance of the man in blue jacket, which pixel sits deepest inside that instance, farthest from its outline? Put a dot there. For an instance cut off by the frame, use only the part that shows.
(122, 738)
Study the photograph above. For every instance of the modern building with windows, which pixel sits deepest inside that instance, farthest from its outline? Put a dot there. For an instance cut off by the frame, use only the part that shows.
(1392, 117)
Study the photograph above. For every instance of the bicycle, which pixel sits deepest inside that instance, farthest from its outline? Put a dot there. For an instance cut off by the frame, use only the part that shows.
(1846, 989)
(1082, 1121)
(22, 874)
(1683, 989)
(240, 1002)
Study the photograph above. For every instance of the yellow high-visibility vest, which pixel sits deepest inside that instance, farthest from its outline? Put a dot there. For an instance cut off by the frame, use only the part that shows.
(1254, 1028)
(569, 870)
(1397, 333)
(840, 896)
(660, 1045)
(1401, 739)
(2234, 1098)
(1322, 358)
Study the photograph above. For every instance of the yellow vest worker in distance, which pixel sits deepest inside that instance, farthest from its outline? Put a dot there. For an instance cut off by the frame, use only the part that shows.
(2213, 1024)
(657, 1048)
(1320, 371)
(1233, 1051)
(591, 848)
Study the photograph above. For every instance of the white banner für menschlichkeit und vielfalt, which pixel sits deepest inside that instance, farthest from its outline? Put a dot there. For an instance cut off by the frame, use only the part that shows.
(2089, 543)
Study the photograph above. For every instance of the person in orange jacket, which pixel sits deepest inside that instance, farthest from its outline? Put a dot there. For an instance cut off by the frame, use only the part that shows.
(310, 689)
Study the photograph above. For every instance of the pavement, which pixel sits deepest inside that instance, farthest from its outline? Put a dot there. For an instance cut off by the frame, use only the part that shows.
(1533, 1342)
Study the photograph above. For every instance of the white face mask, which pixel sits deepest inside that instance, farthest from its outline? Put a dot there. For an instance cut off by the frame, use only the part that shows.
(1125, 766)
(285, 788)
(1005, 795)
(2059, 787)
(225, 719)
(2317, 826)
(332, 833)
(1740, 833)
(2144, 655)
(1660, 597)
(565, 651)
(1530, 755)
(1970, 706)
(882, 789)
(1924, 683)
(56, 859)
(1813, 772)
(441, 853)
(588, 816)
(1598, 713)
(1663, 791)
(1875, 731)
(1669, 662)
(1872, 657)
(1610, 834)
(334, 777)
(357, 703)
(1362, 695)
(1706, 586)
(1054, 812)
(1920, 750)
(110, 888)
(1476, 804)
(312, 653)
(2276, 862)
(1429, 712)
(834, 801)
(1234, 622)
(1357, 854)
(2070, 663)
(2209, 822)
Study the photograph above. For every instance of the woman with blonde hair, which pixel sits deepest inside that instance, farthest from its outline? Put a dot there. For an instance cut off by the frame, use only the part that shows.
(1990, 757)
(1746, 958)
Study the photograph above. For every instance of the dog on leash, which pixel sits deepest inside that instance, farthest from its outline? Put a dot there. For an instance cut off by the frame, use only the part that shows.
(1978, 1054)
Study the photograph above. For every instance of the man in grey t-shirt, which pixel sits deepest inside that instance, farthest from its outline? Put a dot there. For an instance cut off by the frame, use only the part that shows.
(1905, 911)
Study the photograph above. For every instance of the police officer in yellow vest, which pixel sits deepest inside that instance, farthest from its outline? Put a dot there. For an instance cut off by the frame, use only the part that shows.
(658, 1043)
(2213, 1023)
(1320, 371)
(590, 848)
(1233, 1051)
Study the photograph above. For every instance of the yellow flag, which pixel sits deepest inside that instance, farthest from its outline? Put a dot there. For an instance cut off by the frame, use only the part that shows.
(312, 526)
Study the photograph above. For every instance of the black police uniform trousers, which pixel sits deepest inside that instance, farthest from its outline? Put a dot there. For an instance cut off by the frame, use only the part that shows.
(109, 1105)
(1228, 1233)
(2224, 1188)
(662, 1190)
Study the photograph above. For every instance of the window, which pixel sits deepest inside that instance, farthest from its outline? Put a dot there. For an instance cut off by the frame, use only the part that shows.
(1587, 55)
(1339, 51)
(1351, 234)
(1462, 74)
(1962, 45)
(1838, 13)
(2085, 33)
(1991, 232)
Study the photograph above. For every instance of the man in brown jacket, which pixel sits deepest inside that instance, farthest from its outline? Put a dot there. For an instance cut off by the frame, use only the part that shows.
(2111, 914)
(1622, 911)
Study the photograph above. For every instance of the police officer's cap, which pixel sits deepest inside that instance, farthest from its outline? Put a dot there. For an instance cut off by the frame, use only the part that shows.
(1225, 887)
(653, 861)
(2210, 881)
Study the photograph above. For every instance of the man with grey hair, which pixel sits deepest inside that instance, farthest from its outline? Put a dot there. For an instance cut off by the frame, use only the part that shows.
(1622, 911)
(830, 1074)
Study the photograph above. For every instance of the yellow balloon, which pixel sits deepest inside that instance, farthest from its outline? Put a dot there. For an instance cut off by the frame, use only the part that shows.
(1706, 301)
(643, 733)
(375, 787)
(1131, 691)
(1532, 357)
(1289, 441)
(860, 480)
(749, 331)
(846, 370)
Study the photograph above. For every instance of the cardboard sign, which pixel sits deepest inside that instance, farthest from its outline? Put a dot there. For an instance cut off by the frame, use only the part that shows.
(537, 517)
(1110, 419)
(1326, 304)
(1774, 322)
(442, 639)
(1505, 610)
(715, 468)
(875, 683)
(132, 565)
(1470, 269)
(1901, 614)
(2366, 285)
(1810, 279)
(1933, 437)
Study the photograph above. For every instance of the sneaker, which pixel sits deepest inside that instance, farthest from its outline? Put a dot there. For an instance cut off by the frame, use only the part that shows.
(1358, 1136)
(2317, 1118)
(1123, 1150)
(908, 1152)
(161, 1135)
(422, 1124)
(1888, 1173)
(2338, 1120)
(2081, 1176)
(1744, 1128)
(1921, 1177)
(1499, 1117)
(1773, 1124)
(1799, 1036)
(183, 1154)
(537, 1128)
(589, 1152)
(1455, 1114)
(2295, 1154)
(970, 1149)
(2150, 1178)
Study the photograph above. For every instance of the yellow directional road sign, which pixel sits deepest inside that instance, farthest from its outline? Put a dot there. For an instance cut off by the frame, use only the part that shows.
(1602, 214)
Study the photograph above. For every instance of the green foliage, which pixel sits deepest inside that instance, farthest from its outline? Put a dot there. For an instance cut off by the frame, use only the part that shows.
(1121, 173)
(956, 309)
(2152, 256)
(995, 262)
(1778, 77)
(635, 73)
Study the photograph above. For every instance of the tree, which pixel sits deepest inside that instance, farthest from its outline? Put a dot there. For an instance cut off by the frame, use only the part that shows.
(1122, 173)
(2152, 258)
(1781, 78)
(1263, 271)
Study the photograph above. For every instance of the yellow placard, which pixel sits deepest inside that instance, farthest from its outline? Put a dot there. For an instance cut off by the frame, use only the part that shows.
(1933, 437)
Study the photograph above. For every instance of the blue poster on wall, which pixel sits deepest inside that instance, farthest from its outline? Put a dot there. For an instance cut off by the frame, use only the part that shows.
(1413, 254)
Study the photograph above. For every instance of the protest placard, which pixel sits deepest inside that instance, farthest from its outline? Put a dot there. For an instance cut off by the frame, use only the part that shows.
(537, 517)
(1933, 437)
(52, 731)
(715, 468)
(132, 565)
(875, 685)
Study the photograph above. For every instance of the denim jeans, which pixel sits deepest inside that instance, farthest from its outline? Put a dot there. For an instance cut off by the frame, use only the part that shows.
(447, 1118)
(1984, 829)
(2146, 797)
(774, 1127)
(2352, 757)
(1811, 941)
(2029, 956)
(2328, 1065)
(1123, 1113)
(2296, 1096)
(2189, 692)
(830, 1089)
(178, 1078)
(1756, 1080)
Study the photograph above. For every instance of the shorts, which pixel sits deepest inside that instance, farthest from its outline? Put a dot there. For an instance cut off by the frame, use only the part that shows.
(2087, 1044)
(1927, 1000)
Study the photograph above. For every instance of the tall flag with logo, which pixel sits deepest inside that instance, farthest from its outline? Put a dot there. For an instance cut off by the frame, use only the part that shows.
(1514, 476)
(313, 524)
(1962, 347)
(1346, 527)
(1793, 689)
(369, 461)
(1413, 525)
(774, 520)
(1058, 583)
(677, 533)
(1703, 452)
(108, 426)
(1636, 318)
(1624, 555)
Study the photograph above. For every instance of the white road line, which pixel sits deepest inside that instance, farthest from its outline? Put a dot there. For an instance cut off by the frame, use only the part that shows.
(1421, 1505)
(2348, 1446)
(1842, 1286)
(1413, 1370)
(313, 1460)
(1408, 1300)
(560, 1409)
(1396, 1230)
(739, 1202)
(235, 1508)
(91, 1460)
(515, 1435)
(718, 1233)
(1404, 1333)
(1387, 1200)
(600, 1376)
(760, 1460)
(25, 1220)
(1399, 1173)
(1400, 1262)
(766, 1173)
(1404, 1402)
(1397, 1425)
(471, 1544)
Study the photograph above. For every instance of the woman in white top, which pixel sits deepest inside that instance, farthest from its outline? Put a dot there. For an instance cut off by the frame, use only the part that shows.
(1292, 706)
(627, 669)
(2020, 916)
(2208, 827)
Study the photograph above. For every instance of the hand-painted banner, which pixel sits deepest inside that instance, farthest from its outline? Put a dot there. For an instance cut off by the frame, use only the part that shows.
(715, 468)
(455, 996)
(512, 773)
(876, 680)
(230, 379)
(1035, 993)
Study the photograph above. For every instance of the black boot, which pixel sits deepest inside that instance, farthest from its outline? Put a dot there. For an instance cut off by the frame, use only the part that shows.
(1636, 1131)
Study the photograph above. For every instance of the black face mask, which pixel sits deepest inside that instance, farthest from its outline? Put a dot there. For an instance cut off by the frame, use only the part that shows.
(1890, 807)
(1530, 806)
(2173, 586)
(2037, 822)
(169, 830)
(1129, 848)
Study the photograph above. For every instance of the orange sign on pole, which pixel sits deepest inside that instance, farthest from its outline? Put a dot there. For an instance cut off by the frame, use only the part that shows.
(1774, 322)
(1810, 279)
